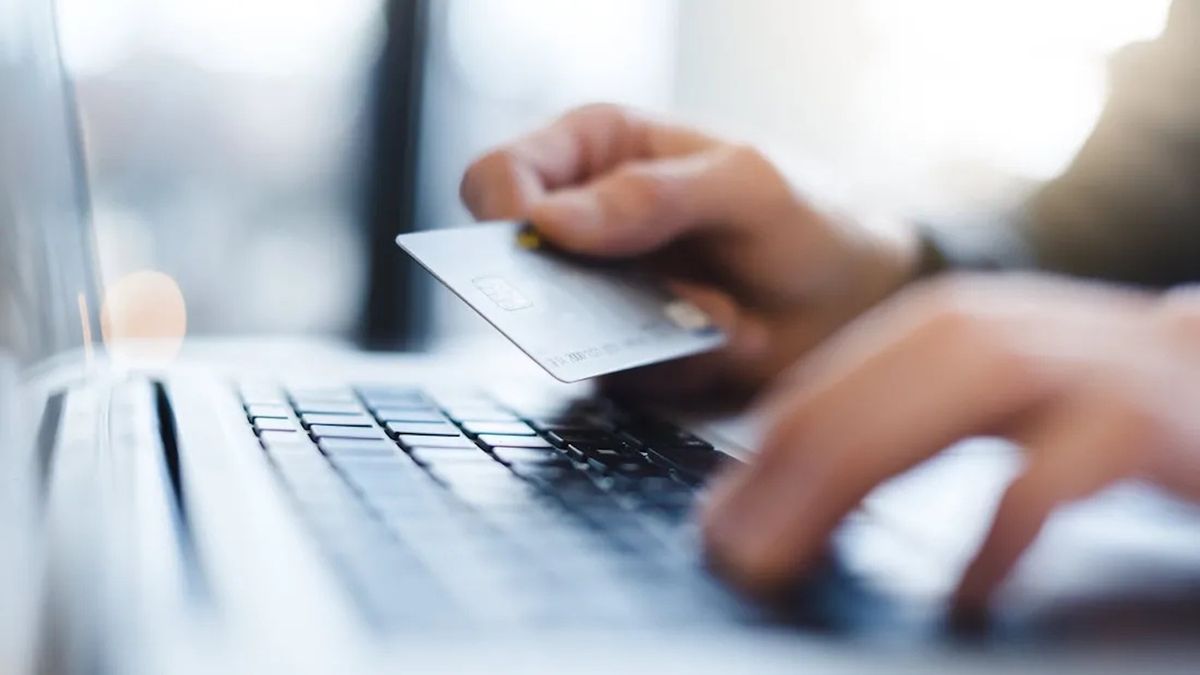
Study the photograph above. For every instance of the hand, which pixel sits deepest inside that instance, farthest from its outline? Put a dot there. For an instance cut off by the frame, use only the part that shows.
(775, 271)
(1096, 384)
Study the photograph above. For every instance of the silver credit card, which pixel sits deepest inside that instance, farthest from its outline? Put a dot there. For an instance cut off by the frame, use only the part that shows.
(576, 319)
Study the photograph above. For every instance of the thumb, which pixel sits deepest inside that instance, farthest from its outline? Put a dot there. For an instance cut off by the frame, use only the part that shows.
(643, 206)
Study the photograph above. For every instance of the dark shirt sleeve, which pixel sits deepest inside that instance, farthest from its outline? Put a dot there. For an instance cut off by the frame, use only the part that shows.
(1128, 207)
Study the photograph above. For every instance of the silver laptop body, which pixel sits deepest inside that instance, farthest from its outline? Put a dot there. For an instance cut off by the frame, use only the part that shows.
(294, 507)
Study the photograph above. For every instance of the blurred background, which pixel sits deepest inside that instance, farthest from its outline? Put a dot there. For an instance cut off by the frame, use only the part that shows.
(265, 152)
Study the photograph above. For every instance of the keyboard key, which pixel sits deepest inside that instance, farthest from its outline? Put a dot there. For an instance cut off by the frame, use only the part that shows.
(480, 414)
(375, 465)
(342, 394)
(652, 487)
(661, 434)
(399, 404)
(275, 424)
(589, 437)
(308, 471)
(487, 486)
(614, 445)
(423, 429)
(263, 396)
(637, 470)
(680, 444)
(384, 478)
(338, 420)
(286, 437)
(436, 442)
(498, 494)
(324, 408)
(550, 474)
(433, 456)
(283, 453)
(692, 463)
(371, 391)
(570, 424)
(326, 431)
(499, 428)
(530, 456)
(466, 400)
(604, 458)
(269, 410)
(498, 418)
(514, 441)
(422, 414)
(668, 498)
(357, 446)
(467, 472)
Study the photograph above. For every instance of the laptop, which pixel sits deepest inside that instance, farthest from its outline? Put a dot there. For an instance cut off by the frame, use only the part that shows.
(285, 507)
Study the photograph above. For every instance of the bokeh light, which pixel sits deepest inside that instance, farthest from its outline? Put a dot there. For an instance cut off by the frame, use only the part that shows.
(143, 319)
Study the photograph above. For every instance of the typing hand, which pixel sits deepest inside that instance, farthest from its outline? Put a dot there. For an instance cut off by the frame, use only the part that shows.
(1097, 385)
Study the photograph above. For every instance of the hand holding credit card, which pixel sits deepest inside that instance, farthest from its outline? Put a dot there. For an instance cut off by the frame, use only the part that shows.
(575, 318)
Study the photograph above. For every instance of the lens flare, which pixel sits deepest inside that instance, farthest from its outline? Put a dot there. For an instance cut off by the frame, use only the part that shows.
(143, 319)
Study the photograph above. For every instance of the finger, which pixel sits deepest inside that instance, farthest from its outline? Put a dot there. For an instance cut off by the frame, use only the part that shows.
(581, 144)
(747, 335)
(911, 378)
(747, 338)
(644, 206)
(848, 429)
(497, 187)
(1079, 453)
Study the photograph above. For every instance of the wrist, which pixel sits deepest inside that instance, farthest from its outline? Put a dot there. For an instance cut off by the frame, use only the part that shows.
(894, 258)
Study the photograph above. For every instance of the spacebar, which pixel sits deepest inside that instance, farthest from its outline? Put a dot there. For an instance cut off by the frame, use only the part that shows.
(393, 588)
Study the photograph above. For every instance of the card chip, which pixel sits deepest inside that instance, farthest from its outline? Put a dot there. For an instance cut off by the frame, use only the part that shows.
(528, 238)
(502, 293)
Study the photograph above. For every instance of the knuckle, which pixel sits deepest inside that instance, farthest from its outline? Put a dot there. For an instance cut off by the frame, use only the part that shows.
(1015, 373)
(1129, 420)
(1179, 313)
(949, 308)
(499, 163)
(495, 169)
(945, 312)
(637, 193)
(952, 319)
(943, 290)
(597, 112)
(750, 160)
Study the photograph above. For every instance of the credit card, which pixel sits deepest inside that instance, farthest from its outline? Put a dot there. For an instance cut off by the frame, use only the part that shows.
(576, 318)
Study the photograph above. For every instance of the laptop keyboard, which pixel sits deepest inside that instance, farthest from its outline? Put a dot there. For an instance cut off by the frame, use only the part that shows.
(460, 510)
